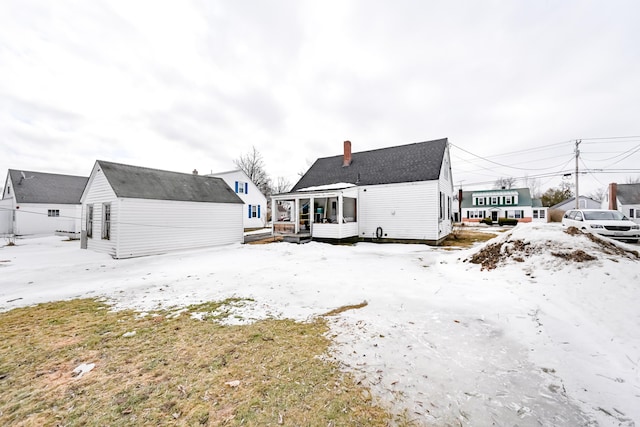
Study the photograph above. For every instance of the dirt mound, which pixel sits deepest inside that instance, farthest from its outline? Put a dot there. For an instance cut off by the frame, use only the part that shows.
(513, 249)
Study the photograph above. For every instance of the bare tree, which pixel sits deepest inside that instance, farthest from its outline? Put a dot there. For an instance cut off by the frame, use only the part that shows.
(598, 194)
(506, 183)
(253, 165)
(282, 185)
(633, 180)
(533, 184)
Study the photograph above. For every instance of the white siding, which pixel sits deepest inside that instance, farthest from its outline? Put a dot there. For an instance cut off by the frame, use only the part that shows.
(636, 212)
(403, 211)
(335, 231)
(254, 197)
(33, 218)
(99, 191)
(445, 186)
(146, 227)
(6, 216)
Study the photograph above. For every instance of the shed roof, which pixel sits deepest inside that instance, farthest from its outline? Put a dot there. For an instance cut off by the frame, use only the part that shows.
(41, 187)
(420, 161)
(145, 183)
(629, 194)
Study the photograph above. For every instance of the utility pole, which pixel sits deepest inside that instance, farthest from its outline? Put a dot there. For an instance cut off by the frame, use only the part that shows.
(578, 141)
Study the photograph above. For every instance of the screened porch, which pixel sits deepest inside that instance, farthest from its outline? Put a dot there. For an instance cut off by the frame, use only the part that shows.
(320, 215)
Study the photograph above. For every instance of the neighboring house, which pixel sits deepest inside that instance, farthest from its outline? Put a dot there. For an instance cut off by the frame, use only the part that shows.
(255, 203)
(40, 203)
(502, 203)
(624, 198)
(131, 211)
(584, 202)
(401, 193)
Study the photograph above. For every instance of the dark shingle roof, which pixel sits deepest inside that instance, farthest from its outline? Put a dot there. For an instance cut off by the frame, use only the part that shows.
(420, 161)
(629, 194)
(39, 187)
(145, 183)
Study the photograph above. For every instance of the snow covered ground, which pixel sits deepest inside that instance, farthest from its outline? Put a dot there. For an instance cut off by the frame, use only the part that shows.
(541, 339)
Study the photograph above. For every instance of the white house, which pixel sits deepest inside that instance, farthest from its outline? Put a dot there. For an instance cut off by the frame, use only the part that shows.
(624, 198)
(40, 203)
(255, 203)
(502, 203)
(131, 211)
(401, 193)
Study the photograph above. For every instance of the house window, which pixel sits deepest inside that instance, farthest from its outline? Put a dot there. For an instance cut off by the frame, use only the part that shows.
(519, 214)
(8, 190)
(507, 200)
(480, 201)
(441, 205)
(106, 221)
(631, 213)
(89, 220)
(254, 211)
(242, 187)
(53, 212)
(542, 213)
(535, 213)
(494, 200)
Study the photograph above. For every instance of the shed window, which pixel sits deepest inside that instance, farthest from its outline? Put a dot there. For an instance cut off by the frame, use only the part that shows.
(631, 213)
(53, 212)
(89, 220)
(535, 213)
(106, 221)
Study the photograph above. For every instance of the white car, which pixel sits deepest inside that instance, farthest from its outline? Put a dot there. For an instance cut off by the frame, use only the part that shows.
(608, 223)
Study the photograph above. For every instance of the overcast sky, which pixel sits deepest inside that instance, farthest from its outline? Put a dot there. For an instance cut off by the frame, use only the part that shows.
(194, 84)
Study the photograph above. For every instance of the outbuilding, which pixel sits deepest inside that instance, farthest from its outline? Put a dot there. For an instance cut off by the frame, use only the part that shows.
(38, 203)
(131, 211)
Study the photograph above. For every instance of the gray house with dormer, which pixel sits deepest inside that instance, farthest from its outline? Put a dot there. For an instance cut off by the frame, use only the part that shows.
(400, 193)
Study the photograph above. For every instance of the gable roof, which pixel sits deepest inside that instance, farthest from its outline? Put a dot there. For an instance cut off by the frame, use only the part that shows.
(573, 199)
(41, 187)
(629, 194)
(524, 197)
(420, 161)
(145, 183)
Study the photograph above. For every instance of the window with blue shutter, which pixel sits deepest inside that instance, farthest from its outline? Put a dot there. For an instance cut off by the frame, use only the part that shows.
(249, 211)
(246, 188)
(236, 187)
(258, 211)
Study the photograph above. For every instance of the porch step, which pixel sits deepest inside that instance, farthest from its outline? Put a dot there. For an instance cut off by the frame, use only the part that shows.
(297, 238)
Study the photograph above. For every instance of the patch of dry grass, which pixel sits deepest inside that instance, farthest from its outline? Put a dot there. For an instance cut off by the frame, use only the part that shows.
(266, 240)
(172, 371)
(344, 308)
(464, 237)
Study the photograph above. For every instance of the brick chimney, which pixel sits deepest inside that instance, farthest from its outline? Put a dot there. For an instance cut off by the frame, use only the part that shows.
(613, 196)
(346, 161)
